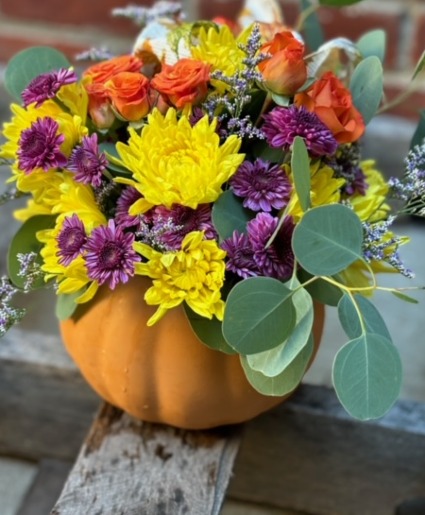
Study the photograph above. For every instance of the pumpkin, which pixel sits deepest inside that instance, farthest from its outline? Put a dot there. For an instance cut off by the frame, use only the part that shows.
(161, 373)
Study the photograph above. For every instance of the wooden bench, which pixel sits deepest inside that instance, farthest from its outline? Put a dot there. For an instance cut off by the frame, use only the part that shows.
(306, 455)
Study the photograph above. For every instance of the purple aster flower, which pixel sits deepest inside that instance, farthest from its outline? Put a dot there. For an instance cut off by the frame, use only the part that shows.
(263, 186)
(47, 85)
(277, 260)
(283, 124)
(88, 162)
(71, 239)
(39, 146)
(240, 255)
(181, 220)
(127, 198)
(110, 256)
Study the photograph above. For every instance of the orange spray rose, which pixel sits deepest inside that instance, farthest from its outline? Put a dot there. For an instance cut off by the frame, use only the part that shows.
(285, 71)
(333, 104)
(129, 95)
(186, 82)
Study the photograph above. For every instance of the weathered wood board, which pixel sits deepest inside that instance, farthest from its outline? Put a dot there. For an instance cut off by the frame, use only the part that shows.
(129, 467)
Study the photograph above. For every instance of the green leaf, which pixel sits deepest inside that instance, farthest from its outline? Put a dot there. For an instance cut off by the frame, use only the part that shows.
(311, 29)
(228, 215)
(328, 239)
(287, 381)
(321, 290)
(281, 100)
(420, 65)
(66, 305)
(300, 165)
(372, 319)
(208, 331)
(404, 297)
(419, 134)
(338, 3)
(259, 315)
(274, 361)
(28, 64)
(367, 86)
(24, 242)
(367, 376)
(373, 43)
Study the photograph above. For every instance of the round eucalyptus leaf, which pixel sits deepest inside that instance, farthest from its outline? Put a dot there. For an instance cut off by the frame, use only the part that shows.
(66, 305)
(274, 361)
(28, 64)
(373, 43)
(259, 315)
(328, 239)
(321, 290)
(367, 376)
(367, 86)
(372, 319)
(228, 215)
(285, 382)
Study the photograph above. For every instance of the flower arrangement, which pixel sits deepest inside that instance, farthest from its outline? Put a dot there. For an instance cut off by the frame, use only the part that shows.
(222, 160)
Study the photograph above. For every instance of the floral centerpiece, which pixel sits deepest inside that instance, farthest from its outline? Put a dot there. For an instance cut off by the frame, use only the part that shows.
(221, 160)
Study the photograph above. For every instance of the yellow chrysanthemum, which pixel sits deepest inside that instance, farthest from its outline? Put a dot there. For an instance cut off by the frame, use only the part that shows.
(325, 189)
(220, 48)
(194, 274)
(175, 163)
(70, 278)
(75, 98)
(371, 207)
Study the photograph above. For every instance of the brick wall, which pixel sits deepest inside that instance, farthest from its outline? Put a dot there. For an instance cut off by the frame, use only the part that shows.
(76, 25)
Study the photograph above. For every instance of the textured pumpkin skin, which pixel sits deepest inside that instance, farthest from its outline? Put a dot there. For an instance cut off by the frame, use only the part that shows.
(161, 373)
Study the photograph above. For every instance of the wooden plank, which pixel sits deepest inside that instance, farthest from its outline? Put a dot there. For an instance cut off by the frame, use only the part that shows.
(130, 467)
(309, 455)
(46, 405)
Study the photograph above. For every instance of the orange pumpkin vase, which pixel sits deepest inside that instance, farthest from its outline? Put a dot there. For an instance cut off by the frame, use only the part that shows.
(161, 373)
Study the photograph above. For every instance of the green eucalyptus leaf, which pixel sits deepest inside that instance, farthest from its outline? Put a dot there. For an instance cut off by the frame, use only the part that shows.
(321, 290)
(373, 43)
(367, 376)
(372, 319)
(300, 165)
(338, 3)
(259, 315)
(404, 297)
(66, 305)
(274, 361)
(228, 215)
(28, 64)
(281, 100)
(419, 134)
(24, 242)
(367, 86)
(312, 29)
(208, 331)
(287, 381)
(328, 239)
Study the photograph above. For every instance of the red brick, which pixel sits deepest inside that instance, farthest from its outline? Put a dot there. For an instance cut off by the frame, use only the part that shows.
(408, 108)
(418, 38)
(72, 12)
(208, 9)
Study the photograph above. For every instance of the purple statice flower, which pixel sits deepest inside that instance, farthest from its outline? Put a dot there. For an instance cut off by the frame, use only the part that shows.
(346, 164)
(283, 124)
(127, 198)
(71, 239)
(88, 162)
(181, 220)
(46, 86)
(39, 146)
(262, 185)
(110, 256)
(277, 260)
(240, 256)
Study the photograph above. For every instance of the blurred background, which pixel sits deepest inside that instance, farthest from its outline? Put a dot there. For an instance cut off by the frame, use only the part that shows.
(77, 25)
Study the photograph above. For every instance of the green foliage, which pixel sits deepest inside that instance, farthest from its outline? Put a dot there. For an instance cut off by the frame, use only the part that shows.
(419, 133)
(367, 376)
(28, 64)
(300, 165)
(208, 331)
(321, 290)
(24, 242)
(311, 28)
(228, 215)
(259, 315)
(66, 305)
(328, 239)
(367, 86)
(373, 43)
(420, 65)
